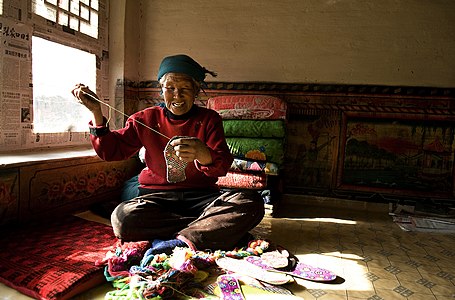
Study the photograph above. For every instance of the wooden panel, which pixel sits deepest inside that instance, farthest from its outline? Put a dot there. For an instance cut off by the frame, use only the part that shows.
(408, 154)
(9, 195)
(70, 185)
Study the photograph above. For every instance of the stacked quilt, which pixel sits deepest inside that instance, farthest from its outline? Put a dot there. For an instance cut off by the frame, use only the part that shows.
(255, 130)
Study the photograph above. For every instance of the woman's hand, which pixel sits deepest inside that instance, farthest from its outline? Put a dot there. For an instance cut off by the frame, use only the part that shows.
(80, 92)
(86, 97)
(189, 149)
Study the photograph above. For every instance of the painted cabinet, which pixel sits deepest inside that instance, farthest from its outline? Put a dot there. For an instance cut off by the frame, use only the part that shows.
(46, 189)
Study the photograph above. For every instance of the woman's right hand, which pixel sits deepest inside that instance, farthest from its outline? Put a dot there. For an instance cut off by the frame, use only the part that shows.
(80, 92)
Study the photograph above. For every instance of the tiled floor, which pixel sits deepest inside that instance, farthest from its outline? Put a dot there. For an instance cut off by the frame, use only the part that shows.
(373, 258)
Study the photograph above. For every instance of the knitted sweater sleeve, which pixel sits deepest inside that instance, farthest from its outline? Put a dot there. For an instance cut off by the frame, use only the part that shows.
(216, 142)
(116, 144)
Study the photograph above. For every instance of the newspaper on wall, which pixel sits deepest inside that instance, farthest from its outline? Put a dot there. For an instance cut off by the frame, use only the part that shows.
(16, 94)
(15, 81)
(20, 21)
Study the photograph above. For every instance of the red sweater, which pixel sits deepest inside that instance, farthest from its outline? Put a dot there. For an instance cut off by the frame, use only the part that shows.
(203, 123)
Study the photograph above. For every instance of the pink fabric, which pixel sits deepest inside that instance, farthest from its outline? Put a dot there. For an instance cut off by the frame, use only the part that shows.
(243, 180)
(248, 107)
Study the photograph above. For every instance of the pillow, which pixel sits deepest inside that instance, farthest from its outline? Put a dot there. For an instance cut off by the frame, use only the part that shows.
(260, 149)
(55, 260)
(248, 107)
(243, 165)
(254, 128)
(243, 181)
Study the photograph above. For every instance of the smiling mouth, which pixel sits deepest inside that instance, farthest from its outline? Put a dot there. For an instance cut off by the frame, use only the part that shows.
(180, 104)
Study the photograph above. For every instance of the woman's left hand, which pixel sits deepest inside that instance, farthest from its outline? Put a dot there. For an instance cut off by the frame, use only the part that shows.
(189, 149)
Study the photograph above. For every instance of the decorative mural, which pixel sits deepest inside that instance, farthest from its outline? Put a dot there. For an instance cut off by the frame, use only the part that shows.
(311, 155)
(392, 153)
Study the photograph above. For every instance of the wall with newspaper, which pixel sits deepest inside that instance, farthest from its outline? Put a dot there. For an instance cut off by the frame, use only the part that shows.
(18, 23)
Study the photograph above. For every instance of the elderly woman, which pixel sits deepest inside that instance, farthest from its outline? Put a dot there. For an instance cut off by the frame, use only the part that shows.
(179, 203)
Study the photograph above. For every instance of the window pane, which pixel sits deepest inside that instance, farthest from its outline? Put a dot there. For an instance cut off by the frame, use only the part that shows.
(51, 14)
(95, 4)
(74, 7)
(85, 11)
(74, 23)
(64, 4)
(56, 69)
(63, 18)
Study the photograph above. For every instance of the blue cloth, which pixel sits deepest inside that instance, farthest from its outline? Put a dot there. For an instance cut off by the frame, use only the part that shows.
(130, 189)
(160, 246)
(182, 64)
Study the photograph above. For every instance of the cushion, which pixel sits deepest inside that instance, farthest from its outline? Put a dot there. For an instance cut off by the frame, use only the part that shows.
(254, 128)
(260, 149)
(248, 107)
(55, 260)
(239, 180)
(250, 166)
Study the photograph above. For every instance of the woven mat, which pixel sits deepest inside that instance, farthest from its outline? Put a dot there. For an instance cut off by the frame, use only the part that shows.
(54, 261)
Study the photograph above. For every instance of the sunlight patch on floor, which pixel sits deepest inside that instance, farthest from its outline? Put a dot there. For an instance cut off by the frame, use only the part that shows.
(325, 220)
(346, 266)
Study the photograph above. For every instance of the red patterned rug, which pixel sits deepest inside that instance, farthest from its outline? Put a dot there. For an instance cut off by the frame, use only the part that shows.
(55, 260)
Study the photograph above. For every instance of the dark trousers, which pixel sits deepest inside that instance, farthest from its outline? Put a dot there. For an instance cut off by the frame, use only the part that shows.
(209, 219)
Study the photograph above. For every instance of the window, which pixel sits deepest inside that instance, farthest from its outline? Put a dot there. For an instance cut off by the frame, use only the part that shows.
(79, 15)
(66, 43)
(56, 69)
(58, 63)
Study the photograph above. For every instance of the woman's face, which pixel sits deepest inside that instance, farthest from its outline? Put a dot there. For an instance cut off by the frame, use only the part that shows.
(179, 92)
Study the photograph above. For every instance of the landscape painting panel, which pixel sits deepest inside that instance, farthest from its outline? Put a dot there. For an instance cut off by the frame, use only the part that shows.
(414, 155)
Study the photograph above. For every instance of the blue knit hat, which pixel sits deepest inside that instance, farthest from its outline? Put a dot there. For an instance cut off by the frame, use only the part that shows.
(183, 64)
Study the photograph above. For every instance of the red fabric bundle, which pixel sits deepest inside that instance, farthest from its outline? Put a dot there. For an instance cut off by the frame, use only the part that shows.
(54, 261)
(243, 180)
(250, 107)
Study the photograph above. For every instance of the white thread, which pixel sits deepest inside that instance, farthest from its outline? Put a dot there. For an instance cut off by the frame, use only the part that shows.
(122, 113)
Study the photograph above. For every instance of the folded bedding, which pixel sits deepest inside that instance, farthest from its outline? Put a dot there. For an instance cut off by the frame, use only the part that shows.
(254, 128)
(258, 149)
(54, 260)
(248, 107)
(242, 165)
(243, 180)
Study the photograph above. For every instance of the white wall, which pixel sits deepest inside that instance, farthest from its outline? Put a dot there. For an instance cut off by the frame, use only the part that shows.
(388, 42)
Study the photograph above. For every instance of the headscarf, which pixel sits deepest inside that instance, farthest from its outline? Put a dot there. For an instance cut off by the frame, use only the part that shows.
(182, 63)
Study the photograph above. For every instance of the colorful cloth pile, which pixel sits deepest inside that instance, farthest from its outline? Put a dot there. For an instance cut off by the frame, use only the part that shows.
(138, 274)
(255, 130)
(260, 270)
